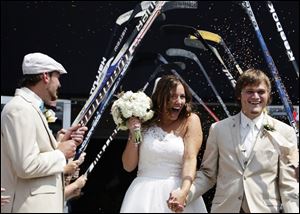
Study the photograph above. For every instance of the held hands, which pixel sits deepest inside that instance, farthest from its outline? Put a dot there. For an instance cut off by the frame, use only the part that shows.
(176, 201)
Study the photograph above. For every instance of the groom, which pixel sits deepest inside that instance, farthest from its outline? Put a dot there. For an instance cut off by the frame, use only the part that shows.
(251, 157)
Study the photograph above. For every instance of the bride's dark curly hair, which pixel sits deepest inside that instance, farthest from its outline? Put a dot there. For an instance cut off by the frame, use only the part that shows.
(162, 96)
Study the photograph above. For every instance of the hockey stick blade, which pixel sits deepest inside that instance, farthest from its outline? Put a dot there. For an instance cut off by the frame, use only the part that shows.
(194, 43)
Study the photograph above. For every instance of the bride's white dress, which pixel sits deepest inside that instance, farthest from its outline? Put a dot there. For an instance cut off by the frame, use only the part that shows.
(159, 172)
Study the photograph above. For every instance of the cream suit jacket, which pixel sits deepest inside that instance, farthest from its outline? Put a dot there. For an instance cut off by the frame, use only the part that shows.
(31, 168)
(266, 179)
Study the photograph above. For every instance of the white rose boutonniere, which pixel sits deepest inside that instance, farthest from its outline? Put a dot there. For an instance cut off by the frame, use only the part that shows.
(50, 115)
(130, 105)
(268, 127)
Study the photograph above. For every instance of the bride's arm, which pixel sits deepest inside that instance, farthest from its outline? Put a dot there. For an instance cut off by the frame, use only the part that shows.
(192, 143)
(130, 156)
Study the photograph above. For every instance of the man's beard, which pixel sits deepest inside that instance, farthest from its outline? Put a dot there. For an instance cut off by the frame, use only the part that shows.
(54, 96)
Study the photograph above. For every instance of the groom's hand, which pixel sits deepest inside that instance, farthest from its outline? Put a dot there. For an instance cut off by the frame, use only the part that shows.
(173, 202)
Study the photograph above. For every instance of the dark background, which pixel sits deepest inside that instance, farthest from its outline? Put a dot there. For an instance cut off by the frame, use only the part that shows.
(77, 33)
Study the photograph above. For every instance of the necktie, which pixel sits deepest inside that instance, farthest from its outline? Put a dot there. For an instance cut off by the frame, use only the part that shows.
(42, 107)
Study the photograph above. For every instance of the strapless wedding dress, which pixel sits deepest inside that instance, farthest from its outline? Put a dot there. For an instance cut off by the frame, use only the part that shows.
(159, 172)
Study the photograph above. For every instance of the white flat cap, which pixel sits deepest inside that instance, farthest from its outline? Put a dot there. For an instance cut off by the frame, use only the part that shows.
(36, 63)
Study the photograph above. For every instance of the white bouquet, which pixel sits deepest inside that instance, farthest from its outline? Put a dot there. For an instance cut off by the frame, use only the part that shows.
(130, 105)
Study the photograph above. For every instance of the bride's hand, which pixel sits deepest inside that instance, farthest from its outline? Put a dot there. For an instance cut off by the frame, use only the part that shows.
(133, 123)
(176, 201)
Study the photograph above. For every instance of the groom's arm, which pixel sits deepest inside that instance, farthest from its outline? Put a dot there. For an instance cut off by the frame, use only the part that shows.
(206, 177)
(288, 185)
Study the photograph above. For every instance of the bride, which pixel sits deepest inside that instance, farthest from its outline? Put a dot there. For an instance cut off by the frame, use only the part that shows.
(167, 156)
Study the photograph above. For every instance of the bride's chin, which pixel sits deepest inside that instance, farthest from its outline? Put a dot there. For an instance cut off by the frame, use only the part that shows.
(174, 116)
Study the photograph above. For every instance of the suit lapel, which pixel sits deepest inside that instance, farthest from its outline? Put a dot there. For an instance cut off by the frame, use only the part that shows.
(29, 99)
(45, 123)
(236, 138)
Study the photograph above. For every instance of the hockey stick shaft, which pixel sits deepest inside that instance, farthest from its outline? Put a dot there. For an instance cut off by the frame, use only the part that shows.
(198, 44)
(197, 97)
(193, 31)
(213, 37)
(140, 10)
(126, 18)
(120, 61)
(192, 56)
(273, 70)
(115, 131)
(162, 59)
(287, 46)
(102, 108)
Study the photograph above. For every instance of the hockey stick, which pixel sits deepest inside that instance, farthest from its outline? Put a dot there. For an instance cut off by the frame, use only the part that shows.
(102, 71)
(192, 56)
(198, 44)
(287, 46)
(103, 105)
(164, 61)
(115, 131)
(169, 5)
(273, 70)
(101, 108)
(120, 62)
(213, 37)
(193, 31)
(126, 17)
(139, 11)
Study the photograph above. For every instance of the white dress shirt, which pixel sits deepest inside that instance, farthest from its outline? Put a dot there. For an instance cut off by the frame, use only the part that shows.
(249, 132)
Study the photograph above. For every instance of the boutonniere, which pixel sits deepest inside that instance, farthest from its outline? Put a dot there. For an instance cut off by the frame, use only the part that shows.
(50, 115)
(268, 127)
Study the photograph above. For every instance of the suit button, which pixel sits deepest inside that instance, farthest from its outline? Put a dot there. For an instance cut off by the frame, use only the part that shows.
(245, 163)
(240, 197)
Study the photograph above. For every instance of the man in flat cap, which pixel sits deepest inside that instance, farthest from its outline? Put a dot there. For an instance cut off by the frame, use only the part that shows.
(32, 160)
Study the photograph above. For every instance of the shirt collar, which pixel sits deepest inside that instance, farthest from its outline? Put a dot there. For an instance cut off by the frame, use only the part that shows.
(258, 121)
(37, 101)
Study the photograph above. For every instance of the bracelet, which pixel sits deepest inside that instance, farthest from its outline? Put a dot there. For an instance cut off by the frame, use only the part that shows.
(132, 141)
(136, 145)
